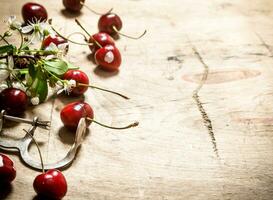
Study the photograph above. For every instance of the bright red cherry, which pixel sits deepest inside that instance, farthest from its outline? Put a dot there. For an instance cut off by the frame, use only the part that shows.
(57, 40)
(102, 39)
(32, 12)
(73, 5)
(108, 58)
(7, 171)
(73, 112)
(80, 77)
(14, 101)
(51, 184)
(110, 23)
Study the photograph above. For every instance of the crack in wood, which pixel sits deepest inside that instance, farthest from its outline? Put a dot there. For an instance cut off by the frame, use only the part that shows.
(264, 44)
(206, 120)
(175, 58)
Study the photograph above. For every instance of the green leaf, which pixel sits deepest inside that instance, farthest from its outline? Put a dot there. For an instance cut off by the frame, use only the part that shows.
(56, 66)
(6, 49)
(39, 86)
(42, 90)
(31, 70)
(25, 47)
(71, 66)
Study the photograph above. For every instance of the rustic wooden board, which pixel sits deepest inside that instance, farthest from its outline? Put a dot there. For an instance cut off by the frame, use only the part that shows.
(201, 86)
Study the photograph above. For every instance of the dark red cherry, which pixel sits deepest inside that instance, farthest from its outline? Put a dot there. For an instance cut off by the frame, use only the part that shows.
(57, 40)
(32, 12)
(14, 101)
(73, 112)
(80, 77)
(7, 171)
(108, 21)
(101, 38)
(51, 184)
(73, 5)
(108, 58)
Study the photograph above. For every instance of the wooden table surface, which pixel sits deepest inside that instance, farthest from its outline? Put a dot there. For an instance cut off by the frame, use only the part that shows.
(201, 86)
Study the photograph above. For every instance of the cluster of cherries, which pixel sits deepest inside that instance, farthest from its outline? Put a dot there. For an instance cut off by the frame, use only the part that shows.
(101, 44)
(52, 184)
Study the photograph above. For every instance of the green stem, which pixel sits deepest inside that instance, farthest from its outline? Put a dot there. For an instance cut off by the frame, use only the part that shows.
(42, 42)
(102, 89)
(3, 38)
(21, 82)
(14, 76)
(22, 39)
(78, 43)
(97, 43)
(93, 11)
(112, 127)
(131, 37)
(40, 51)
(56, 77)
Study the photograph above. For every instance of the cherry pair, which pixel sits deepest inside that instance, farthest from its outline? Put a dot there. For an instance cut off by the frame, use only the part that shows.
(102, 45)
(108, 23)
(50, 184)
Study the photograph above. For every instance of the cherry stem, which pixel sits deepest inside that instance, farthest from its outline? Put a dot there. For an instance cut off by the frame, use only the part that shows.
(112, 127)
(87, 44)
(93, 11)
(102, 89)
(131, 37)
(39, 151)
(4, 39)
(80, 25)
(77, 33)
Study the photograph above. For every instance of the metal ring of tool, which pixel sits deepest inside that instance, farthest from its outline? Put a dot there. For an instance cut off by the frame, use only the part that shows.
(23, 145)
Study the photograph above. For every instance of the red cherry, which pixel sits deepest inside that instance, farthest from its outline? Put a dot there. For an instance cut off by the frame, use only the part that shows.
(51, 184)
(73, 112)
(33, 11)
(57, 40)
(80, 77)
(109, 22)
(14, 101)
(102, 39)
(108, 58)
(7, 171)
(73, 5)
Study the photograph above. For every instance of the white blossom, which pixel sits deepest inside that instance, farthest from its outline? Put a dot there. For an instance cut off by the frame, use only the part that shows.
(38, 29)
(61, 50)
(67, 86)
(12, 23)
(35, 101)
(19, 86)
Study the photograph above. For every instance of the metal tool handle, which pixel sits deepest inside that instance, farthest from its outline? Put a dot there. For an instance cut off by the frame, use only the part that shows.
(66, 161)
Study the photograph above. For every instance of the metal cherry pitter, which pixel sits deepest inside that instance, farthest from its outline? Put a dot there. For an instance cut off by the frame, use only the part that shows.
(22, 145)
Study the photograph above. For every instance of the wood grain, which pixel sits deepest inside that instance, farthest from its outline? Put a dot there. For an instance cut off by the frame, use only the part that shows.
(171, 155)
